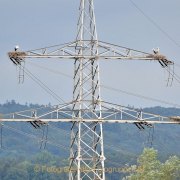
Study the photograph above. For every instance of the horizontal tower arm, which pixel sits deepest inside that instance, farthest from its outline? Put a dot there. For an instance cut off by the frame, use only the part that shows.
(105, 51)
(92, 120)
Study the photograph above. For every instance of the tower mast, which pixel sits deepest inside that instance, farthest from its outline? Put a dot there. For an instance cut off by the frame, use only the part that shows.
(86, 149)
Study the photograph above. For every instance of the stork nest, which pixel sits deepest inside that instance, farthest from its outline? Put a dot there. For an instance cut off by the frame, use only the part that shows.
(16, 54)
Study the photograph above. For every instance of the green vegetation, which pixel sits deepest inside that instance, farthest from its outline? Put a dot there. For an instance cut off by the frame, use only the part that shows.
(22, 157)
(46, 166)
(150, 168)
(43, 166)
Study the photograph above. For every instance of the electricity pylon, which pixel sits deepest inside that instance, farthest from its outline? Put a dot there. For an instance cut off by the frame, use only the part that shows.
(88, 110)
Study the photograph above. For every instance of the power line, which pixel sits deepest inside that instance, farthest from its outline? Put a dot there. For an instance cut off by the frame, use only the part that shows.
(43, 86)
(134, 94)
(155, 24)
(67, 133)
(59, 129)
(140, 96)
(150, 141)
(33, 136)
(50, 70)
(114, 89)
(112, 147)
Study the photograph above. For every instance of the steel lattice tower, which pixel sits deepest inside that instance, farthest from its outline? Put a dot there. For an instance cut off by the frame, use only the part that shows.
(86, 151)
(88, 111)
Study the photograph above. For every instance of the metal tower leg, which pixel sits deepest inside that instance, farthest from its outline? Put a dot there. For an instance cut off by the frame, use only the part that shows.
(86, 151)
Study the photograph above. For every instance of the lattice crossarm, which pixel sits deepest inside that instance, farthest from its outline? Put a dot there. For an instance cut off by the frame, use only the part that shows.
(111, 51)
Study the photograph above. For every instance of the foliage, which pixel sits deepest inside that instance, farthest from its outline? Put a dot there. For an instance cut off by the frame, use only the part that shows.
(43, 166)
(124, 143)
(150, 168)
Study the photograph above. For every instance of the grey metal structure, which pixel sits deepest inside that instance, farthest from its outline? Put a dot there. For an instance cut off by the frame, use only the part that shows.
(87, 112)
(86, 149)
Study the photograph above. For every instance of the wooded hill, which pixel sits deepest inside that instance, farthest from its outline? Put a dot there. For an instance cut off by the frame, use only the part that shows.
(23, 145)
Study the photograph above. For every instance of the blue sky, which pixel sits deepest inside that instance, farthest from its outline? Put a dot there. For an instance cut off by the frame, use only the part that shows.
(33, 24)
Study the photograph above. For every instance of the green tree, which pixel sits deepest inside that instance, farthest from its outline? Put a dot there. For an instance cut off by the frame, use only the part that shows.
(171, 169)
(150, 168)
(16, 174)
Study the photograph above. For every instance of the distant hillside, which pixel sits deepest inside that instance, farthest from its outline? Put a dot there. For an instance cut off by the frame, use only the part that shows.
(123, 143)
